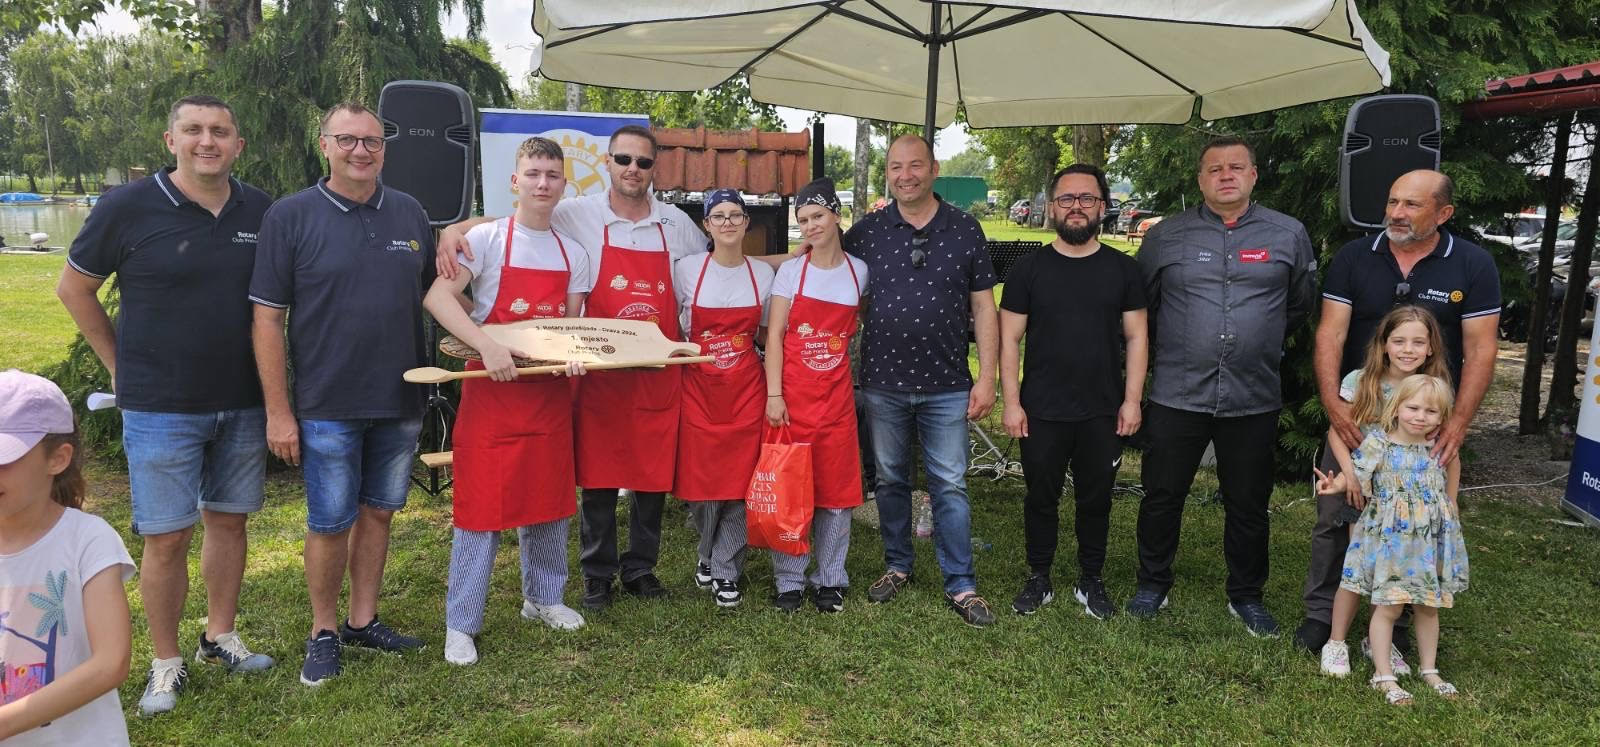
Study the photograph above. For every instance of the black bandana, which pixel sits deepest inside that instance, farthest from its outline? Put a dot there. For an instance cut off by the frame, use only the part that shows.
(818, 192)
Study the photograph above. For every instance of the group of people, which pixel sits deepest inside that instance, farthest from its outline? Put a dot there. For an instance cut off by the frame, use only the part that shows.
(224, 291)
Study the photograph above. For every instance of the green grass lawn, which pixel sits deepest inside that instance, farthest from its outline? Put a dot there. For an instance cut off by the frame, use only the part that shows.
(1521, 644)
(37, 327)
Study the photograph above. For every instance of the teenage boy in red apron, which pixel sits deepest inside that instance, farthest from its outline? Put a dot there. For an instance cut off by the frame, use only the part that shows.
(723, 295)
(513, 436)
(814, 303)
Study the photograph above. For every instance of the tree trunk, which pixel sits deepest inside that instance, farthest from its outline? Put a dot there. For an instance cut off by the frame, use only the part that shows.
(862, 176)
(33, 185)
(235, 22)
(1089, 144)
(77, 183)
(1533, 369)
(1562, 411)
(574, 97)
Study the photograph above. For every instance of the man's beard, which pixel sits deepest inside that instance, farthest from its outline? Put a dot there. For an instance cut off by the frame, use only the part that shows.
(1077, 235)
(1406, 234)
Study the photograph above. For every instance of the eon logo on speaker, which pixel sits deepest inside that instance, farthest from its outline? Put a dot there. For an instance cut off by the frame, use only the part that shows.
(419, 132)
(1393, 141)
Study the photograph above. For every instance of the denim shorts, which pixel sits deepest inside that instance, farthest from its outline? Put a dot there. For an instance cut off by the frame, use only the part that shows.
(179, 463)
(350, 463)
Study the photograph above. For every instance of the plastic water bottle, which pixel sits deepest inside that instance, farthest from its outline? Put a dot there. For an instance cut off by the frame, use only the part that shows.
(922, 510)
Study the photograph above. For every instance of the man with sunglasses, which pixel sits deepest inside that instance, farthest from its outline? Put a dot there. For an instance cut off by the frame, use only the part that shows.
(625, 427)
(1078, 302)
(1414, 260)
(352, 258)
(930, 275)
(1227, 281)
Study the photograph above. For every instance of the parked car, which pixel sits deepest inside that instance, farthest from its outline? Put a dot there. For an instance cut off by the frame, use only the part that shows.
(1036, 211)
(1129, 216)
(1566, 234)
(1018, 212)
(1516, 228)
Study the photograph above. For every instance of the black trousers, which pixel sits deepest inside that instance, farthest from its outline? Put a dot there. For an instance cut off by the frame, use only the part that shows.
(597, 553)
(1244, 446)
(1093, 451)
(1328, 543)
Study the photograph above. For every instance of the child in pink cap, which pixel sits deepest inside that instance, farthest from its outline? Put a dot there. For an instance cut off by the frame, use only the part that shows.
(64, 626)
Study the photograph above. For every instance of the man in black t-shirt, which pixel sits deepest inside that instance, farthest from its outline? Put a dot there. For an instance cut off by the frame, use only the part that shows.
(182, 244)
(1077, 301)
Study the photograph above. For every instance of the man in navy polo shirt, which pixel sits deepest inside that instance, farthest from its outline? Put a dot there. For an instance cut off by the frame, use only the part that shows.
(930, 274)
(352, 258)
(1412, 261)
(182, 244)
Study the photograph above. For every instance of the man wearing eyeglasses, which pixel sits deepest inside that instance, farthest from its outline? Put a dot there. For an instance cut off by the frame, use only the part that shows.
(625, 428)
(352, 258)
(1226, 282)
(1414, 260)
(1078, 302)
(930, 275)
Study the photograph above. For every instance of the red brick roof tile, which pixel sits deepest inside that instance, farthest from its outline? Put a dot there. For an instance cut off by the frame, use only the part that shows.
(755, 162)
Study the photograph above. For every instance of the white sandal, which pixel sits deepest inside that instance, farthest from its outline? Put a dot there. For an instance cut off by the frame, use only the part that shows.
(1395, 694)
(1444, 689)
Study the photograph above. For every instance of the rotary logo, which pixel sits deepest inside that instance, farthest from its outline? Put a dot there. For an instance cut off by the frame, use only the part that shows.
(835, 343)
(741, 341)
(1456, 296)
(519, 306)
(607, 349)
(661, 286)
(619, 282)
(414, 245)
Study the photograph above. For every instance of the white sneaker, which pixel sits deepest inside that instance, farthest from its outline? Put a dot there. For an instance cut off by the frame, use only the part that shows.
(558, 616)
(459, 648)
(1397, 663)
(1335, 658)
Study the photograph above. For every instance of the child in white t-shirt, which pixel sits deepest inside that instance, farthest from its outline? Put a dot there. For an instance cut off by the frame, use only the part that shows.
(64, 626)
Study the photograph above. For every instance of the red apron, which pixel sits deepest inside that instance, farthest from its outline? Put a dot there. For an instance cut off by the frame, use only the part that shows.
(724, 402)
(818, 393)
(627, 420)
(513, 439)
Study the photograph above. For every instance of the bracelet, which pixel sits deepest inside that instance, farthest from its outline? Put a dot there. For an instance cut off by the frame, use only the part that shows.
(770, 396)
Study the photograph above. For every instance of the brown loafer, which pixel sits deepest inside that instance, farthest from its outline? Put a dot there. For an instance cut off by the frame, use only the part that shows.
(887, 586)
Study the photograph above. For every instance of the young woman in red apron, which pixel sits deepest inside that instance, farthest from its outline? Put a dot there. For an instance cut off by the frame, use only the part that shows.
(719, 433)
(512, 438)
(626, 427)
(808, 388)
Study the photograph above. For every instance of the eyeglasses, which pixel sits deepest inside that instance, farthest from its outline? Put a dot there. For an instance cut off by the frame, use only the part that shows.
(1402, 290)
(623, 160)
(1067, 201)
(348, 142)
(919, 256)
(729, 219)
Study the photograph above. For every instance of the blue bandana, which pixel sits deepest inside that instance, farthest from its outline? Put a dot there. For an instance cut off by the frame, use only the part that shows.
(718, 196)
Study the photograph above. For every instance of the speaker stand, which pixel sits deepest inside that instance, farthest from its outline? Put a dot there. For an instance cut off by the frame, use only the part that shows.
(440, 415)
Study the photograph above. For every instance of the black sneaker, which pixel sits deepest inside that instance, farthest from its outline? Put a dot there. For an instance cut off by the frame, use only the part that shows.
(596, 593)
(1091, 593)
(1036, 592)
(1147, 603)
(378, 636)
(1312, 635)
(322, 659)
(702, 576)
(645, 587)
(1257, 620)
(887, 586)
(726, 593)
(789, 601)
(828, 599)
(973, 609)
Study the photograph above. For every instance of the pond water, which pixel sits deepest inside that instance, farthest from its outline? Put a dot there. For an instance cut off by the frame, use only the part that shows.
(60, 221)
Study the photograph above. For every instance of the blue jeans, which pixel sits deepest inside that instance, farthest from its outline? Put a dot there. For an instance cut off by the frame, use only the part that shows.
(181, 462)
(940, 420)
(351, 463)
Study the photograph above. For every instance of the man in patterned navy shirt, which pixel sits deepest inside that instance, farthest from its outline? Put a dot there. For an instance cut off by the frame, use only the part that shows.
(930, 277)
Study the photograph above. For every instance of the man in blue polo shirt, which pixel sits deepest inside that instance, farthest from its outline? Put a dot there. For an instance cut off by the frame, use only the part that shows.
(182, 244)
(352, 258)
(930, 274)
(1412, 261)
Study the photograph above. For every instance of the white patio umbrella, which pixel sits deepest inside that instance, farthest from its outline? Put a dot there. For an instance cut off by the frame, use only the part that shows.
(1013, 63)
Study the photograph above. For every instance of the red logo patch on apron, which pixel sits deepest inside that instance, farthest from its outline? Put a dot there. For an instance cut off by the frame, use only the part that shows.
(1254, 255)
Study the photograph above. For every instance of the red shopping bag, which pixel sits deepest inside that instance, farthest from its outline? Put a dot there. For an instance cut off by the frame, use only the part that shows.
(778, 505)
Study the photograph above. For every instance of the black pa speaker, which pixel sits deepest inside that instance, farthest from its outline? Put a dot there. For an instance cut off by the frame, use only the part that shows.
(430, 128)
(1384, 137)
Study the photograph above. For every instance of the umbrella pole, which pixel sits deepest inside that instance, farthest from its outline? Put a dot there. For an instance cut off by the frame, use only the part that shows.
(932, 99)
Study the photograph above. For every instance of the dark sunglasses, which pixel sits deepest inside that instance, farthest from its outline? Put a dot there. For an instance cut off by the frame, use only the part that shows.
(1401, 291)
(623, 160)
(919, 256)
